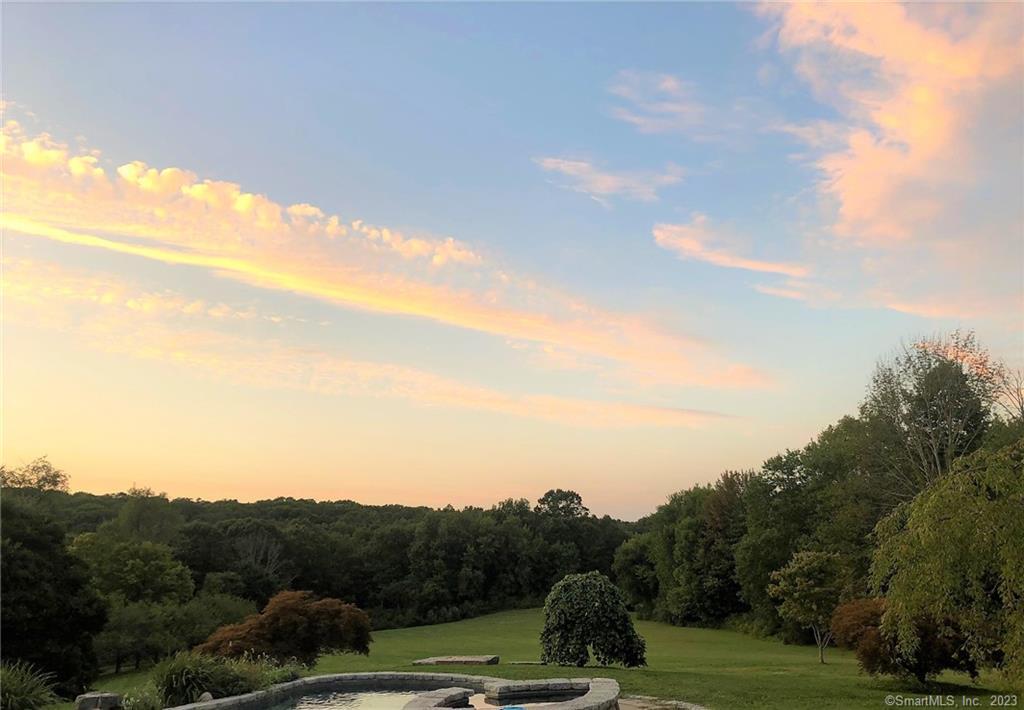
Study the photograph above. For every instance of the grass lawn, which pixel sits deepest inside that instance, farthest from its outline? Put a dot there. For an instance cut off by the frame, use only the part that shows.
(719, 669)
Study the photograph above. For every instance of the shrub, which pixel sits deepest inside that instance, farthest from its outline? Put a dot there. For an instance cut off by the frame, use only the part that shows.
(294, 626)
(146, 697)
(584, 613)
(183, 678)
(857, 625)
(23, 687)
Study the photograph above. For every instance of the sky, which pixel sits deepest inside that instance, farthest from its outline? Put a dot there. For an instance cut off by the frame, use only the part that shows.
(453, 253)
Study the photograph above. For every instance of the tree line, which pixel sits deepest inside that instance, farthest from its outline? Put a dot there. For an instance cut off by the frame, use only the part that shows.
(911, 511)
(136, 577)
(897, 532)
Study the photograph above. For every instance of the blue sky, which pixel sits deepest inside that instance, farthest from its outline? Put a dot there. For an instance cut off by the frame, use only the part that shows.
(707, 221)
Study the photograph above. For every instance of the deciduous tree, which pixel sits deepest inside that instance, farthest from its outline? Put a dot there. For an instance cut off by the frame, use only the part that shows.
(808, 589)
(957, 552)
(295, 625)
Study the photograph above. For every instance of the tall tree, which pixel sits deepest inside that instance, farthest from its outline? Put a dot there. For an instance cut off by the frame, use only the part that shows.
(48, 609)
(561, 503)
(39, 474)
(145, 517)
(928, 405)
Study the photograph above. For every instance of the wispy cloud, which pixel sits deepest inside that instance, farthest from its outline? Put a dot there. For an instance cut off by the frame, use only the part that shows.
(661, 103)
(697, 240)
(799, 290)
(657, 103)
(173, 216)
(583, 176)
(112, 315)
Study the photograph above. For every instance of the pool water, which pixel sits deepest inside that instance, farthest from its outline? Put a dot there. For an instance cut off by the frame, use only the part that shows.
(352, 701)
(381, 700)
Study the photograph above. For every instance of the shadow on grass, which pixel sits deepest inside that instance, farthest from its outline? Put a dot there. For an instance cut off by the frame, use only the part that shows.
(935, 687)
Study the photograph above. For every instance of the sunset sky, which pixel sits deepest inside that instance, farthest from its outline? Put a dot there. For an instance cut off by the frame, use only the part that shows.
(433, 254)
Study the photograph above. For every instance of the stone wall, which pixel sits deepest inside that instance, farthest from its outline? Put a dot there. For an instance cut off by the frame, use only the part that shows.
(446, 690)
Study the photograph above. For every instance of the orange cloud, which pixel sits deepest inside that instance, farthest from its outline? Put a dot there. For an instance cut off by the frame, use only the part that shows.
(906, 79)
(115, 316)
(697, 241)
(170, 215)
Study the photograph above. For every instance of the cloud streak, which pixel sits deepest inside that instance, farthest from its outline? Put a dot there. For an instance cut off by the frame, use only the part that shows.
(114, 316)
(697, 241)
(583, 176)
(657, 103)
(172, 216)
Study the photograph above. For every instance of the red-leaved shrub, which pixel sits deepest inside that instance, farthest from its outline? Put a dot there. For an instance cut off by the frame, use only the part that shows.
(294, 625)
(857, 625)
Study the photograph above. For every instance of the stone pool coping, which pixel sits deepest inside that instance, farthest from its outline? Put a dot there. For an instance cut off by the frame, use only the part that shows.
(445, 690)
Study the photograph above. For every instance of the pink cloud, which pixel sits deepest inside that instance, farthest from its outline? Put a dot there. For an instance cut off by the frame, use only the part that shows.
(906, 83)
(699, 242)
(583, 176)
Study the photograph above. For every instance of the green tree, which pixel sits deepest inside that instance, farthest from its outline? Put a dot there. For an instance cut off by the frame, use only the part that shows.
(135, 571)
(584, 613)
(808, 591)
(561, 503)
(144, 630)
(781, 509)
(256, 551)
(635, 573)
(928, 405)
(48, 609)
(145, 517)
(957, 552)
(39, 474)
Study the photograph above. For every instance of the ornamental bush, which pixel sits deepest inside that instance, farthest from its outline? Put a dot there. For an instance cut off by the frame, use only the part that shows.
(294, 626)
(584, 614)
(23, 687)
(182, 678)
(857, 625)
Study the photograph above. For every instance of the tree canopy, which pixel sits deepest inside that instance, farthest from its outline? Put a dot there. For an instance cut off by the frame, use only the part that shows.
(956, 552)
(48, 608)
(808, 590)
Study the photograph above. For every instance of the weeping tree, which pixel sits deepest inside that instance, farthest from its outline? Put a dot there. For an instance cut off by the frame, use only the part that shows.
(957, 552)
(586, 613)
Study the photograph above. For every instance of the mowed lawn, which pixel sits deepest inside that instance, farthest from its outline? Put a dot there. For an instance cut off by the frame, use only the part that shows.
(718, 669)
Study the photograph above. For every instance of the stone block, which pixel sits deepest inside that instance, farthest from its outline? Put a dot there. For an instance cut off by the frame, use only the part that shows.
(457, 660)
(98, 701)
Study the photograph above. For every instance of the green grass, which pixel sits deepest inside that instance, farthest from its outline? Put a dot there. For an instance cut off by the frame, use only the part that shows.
(719, 669)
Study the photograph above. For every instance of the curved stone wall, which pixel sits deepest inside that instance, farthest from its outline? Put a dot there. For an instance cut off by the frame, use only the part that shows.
(445, 690)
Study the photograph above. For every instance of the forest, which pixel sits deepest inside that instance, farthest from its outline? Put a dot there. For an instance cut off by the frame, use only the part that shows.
(898, 526)
(138, 577)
